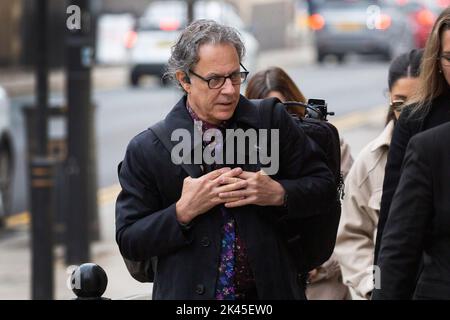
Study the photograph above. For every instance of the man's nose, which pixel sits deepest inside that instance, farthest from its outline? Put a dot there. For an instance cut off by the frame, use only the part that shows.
(228, 86)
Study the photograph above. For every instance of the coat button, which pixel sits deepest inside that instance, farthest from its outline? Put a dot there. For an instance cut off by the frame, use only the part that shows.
(200, 289)
(205, 242)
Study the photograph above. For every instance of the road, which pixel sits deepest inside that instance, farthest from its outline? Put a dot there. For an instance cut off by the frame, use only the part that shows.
(124, 112)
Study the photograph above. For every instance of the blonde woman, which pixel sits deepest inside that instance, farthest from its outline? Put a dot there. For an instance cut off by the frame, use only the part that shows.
(431, 108)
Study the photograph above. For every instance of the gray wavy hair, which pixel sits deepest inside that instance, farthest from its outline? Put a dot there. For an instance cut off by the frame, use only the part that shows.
(185, 51)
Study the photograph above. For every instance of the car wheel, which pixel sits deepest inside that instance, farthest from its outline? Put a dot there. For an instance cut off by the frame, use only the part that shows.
(340, 58)
(320, 57)
(134, 79)
(165, 81)
(388, 54)
(5, 181)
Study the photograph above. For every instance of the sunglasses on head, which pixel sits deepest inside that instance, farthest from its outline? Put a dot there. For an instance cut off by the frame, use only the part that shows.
(397, 105)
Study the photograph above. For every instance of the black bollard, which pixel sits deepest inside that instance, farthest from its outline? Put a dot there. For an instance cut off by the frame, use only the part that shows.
(88, 282)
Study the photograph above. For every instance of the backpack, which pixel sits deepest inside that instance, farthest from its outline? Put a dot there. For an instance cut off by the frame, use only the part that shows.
(311, 239)
(144, 271)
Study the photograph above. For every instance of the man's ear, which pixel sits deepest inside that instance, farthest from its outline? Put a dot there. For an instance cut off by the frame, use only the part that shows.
(184, 80)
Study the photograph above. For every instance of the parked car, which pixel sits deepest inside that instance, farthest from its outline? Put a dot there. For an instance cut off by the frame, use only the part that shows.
(360, 26)
(150, 42)
(6, 157)
(422, 16)
(112, 30)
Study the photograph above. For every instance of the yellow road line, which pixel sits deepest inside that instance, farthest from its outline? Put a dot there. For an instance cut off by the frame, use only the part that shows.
(18, 219)
(359, 118)
(105, 196)
(109, 194)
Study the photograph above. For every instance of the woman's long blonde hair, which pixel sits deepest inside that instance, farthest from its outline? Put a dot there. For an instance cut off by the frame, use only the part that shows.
(431, 80)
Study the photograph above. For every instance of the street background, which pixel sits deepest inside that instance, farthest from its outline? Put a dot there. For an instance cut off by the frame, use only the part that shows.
(356, 90)
(123, 112)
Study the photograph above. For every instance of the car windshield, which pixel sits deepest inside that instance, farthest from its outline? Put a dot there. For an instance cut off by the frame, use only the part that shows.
(172, 15)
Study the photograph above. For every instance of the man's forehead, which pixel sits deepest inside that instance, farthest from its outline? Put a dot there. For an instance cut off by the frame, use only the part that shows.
(217, 52)
(218, 59)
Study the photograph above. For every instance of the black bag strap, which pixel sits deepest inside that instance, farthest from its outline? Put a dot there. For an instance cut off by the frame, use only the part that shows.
(265, 109)
(159, 129)
(144, 271)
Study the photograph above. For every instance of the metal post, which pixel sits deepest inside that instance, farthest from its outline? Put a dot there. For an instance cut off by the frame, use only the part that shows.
(42, 77)
(41, 172)
(190, 11)
(42, 240)
(79, 61)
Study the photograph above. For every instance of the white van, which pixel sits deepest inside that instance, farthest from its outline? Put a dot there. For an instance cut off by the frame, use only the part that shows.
(157, 30)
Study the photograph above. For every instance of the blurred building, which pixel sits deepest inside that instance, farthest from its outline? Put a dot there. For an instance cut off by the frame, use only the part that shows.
(10, 40)
(135, 7)
(18, 28)
(56, 30)
(18, 32)
(271, 21)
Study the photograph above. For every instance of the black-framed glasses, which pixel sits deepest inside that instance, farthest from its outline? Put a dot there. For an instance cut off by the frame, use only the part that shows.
(398, 105)
(445, 58)
(216, 82)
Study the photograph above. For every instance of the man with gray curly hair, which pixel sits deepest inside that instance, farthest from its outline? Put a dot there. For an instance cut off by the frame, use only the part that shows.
(211, 229)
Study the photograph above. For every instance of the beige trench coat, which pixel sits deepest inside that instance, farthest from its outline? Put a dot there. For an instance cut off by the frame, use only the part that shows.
(357, 229)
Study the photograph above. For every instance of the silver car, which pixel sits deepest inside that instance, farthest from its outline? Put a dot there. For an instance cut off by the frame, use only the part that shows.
(159, 27)
(361, 27)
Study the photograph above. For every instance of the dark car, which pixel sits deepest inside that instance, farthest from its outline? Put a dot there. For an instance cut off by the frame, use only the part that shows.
(421, 16)
(359, 26)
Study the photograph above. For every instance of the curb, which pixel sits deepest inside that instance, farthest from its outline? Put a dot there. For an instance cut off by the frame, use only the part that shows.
(18, 83)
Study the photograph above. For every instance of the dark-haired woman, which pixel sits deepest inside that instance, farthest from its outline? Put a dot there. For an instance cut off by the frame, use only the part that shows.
(363, 187)
(325, 282)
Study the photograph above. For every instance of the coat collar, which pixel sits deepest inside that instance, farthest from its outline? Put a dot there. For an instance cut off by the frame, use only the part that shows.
(179, 118)
(246, 115)
(384, 139)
